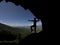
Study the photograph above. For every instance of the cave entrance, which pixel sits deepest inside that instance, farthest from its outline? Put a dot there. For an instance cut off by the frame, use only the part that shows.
(17, 17)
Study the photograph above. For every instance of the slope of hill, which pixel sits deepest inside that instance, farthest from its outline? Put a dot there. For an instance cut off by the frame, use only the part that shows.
(5, 27)
(14, 30)
(24, 31)
(5, 34)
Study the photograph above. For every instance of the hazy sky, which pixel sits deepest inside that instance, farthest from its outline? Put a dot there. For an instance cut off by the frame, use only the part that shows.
(13, 15)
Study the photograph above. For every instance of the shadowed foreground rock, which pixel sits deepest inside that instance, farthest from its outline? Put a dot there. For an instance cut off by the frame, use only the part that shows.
(37, 38)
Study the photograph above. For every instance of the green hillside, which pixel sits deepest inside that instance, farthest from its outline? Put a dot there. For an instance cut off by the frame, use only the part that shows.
(23, 31)
(7, 30)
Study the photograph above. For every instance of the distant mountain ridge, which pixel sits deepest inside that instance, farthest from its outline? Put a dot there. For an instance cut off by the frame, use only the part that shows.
(24, 31)
(5, 27)
(14, 30)
(5, 33)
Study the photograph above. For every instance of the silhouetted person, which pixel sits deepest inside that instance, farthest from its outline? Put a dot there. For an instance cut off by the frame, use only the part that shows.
(34, 24)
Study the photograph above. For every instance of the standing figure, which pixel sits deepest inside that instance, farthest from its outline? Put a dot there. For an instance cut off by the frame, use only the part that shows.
(34, 24)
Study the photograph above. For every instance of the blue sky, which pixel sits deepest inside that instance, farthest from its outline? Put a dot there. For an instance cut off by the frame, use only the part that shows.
(13, 15)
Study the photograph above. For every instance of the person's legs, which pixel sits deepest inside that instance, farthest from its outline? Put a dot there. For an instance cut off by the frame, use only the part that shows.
(31, 28)
(35, 29)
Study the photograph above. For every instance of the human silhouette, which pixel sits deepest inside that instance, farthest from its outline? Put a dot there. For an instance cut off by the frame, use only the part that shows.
(34, 24)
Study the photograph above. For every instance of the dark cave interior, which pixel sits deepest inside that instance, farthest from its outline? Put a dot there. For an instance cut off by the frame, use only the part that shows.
(39, 9)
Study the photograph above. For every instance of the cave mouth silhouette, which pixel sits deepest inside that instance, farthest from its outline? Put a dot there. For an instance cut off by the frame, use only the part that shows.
(23, 7)
(34, 11)
(29, 10)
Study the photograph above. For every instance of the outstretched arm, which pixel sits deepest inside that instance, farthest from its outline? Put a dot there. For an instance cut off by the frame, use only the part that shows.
(30, 20)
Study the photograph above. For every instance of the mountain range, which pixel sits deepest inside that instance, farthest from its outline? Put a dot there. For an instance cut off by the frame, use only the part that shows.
(24, 31)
